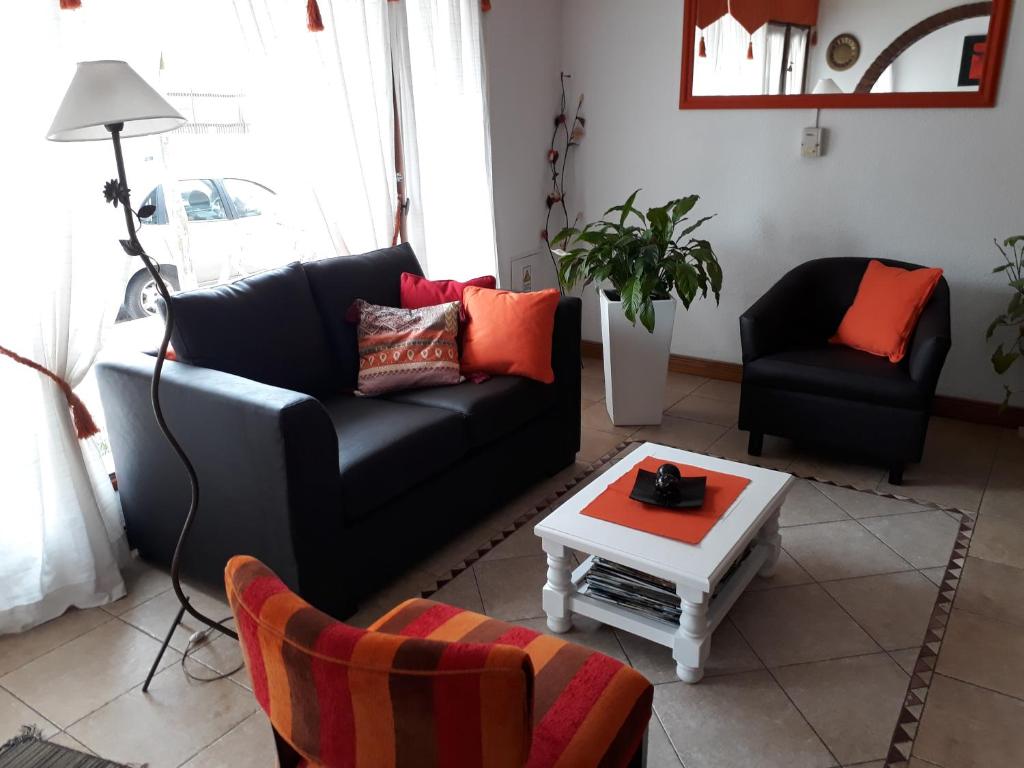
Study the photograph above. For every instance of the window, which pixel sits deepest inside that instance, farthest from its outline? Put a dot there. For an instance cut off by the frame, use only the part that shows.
(233, 191)
(248, 198)
(156, 199)
(202, 200)
(771, 61)
(786, 59)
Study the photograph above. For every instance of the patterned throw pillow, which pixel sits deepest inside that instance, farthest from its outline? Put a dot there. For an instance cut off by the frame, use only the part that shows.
(406, 348)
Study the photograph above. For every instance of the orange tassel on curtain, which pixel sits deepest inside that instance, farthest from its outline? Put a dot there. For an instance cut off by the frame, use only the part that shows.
(313, 21)
(814, 35)
(703, 48)
(750, 50)
(84, 424)
(70, 5)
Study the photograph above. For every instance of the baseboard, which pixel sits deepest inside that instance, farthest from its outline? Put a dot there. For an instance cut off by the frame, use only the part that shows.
(976, 411)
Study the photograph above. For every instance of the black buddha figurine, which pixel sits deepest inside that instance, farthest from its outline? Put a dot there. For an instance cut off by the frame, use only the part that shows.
(667, 481)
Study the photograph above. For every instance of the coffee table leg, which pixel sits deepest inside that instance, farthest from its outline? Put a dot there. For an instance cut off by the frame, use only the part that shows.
(559, 587)
(693, 639)
(769, 536)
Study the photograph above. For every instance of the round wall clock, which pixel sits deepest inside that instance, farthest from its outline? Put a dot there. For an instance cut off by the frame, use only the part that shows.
(843, 52)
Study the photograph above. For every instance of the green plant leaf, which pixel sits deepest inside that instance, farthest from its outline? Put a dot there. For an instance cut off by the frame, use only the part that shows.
(1002, 361)
(683, 206)
(1015, 309)
(686, 283)
(646, 259)
(693, 227)
(647, 315)
(630, 297)
(658, 218)
(564, 236)
(1001, 320)
(625, 209)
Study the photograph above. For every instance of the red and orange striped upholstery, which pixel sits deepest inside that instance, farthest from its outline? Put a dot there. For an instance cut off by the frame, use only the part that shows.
(430, 685)
(588, 709)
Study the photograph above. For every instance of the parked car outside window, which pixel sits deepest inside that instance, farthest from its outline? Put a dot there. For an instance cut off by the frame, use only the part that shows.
(234, 229)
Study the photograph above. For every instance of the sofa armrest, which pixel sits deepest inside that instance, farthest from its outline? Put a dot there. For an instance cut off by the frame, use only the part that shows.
(931, 340)
(774, 322)
(267, 462)
(567, 363)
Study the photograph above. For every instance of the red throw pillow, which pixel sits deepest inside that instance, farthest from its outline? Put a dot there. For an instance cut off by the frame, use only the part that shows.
(417, 291)
(509, 333)
(885, 311)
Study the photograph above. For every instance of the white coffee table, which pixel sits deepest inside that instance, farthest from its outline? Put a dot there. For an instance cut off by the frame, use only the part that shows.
(696, 570)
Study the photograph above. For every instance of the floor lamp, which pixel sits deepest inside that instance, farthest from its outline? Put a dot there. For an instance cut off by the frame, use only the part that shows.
(108, 99)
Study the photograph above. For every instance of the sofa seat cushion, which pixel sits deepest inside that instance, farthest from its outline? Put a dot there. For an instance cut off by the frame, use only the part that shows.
(589, 710)
(491, 409)
(385, 449)
(838, 372)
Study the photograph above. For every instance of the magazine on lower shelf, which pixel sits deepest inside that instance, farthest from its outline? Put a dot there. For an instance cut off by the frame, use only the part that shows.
(638, 591)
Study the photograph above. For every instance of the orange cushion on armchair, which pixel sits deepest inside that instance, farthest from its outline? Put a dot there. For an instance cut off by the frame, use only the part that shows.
(509, 333)
(884, 313)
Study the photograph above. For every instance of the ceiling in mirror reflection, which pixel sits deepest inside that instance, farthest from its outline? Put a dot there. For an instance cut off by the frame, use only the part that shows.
(790, 47)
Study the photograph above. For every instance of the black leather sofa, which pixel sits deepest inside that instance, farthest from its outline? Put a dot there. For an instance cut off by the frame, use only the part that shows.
(797, 385)
(336, 493)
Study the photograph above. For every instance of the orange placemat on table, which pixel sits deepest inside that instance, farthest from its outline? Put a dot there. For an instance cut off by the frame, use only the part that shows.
(688, 525)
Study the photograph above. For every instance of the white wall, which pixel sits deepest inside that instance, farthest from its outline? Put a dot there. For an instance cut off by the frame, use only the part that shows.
(926, 66)
(523, 39)
(927, 186)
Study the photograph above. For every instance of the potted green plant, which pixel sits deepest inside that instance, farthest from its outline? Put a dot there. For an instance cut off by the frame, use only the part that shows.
(1008, 352)
(644, 257)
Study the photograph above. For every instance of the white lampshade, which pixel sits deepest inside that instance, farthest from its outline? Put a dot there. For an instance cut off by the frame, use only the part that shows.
(827, 85)
(106, 92)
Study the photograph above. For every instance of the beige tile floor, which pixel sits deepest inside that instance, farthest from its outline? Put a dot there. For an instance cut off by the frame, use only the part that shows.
(770, 695)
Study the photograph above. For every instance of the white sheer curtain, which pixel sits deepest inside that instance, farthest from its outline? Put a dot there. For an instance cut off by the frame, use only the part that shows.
(439, 65)
(62, 535)
(775, 45)
(322, 114)
(726, 70)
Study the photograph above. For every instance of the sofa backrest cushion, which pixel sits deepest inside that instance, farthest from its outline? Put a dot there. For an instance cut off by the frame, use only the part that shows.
(264, 327)
(375, 277)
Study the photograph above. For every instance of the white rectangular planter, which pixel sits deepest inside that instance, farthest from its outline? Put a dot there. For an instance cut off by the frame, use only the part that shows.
(635, 362)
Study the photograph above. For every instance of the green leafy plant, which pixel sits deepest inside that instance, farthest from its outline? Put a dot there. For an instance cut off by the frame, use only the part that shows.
(645, 256)
(1008, 352)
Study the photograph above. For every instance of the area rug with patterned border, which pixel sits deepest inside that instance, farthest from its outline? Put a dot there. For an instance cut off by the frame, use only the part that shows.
(30, 750)
(893, 718)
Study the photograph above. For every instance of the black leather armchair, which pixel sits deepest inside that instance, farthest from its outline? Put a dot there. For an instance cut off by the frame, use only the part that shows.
(797, 385)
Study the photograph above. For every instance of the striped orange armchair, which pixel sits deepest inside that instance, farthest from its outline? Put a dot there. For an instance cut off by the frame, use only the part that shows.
(430, 685)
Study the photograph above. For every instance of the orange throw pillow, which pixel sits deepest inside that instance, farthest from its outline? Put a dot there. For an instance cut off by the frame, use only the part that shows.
(509, 333)
(885, 311)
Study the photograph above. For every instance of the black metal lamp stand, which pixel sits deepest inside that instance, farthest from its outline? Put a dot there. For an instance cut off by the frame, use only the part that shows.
(116, 192)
